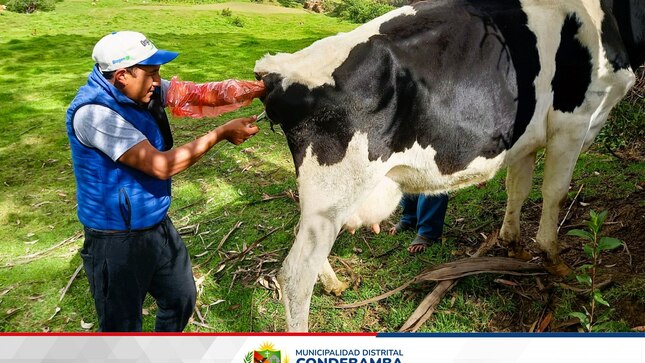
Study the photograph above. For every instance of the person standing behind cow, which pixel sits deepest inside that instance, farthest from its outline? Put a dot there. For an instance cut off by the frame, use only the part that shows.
(425, 214)
(123, 163)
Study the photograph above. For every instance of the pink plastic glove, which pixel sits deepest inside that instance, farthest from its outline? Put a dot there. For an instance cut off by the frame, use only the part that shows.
(188, 99)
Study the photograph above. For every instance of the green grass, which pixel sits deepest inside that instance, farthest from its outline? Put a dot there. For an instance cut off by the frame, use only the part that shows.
(45, 57)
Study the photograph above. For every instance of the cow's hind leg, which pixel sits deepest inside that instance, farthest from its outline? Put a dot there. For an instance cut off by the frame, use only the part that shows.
(518, 185)
(565, 140)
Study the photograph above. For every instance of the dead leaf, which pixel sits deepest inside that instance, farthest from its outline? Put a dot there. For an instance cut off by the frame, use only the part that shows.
(506, 282)
(585, 204)
(4, 292)
(216, 302)
(532, 329)
(38, 205)
(11, 311)
(145, 312)
(234, 307)
(639, 328)
(85, 325)
(263, 281)
(545, 322)
(31, 242)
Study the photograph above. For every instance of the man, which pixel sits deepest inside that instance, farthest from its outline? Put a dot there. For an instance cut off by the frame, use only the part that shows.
(123, 161)
(425, 214)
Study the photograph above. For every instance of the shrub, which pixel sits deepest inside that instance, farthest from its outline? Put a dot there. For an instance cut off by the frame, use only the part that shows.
(291, 3)
(237, 21)
(227, 12)
(29, 6)
(359, 11)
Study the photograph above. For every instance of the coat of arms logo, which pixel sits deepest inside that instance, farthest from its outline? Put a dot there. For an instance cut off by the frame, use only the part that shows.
(266, 353)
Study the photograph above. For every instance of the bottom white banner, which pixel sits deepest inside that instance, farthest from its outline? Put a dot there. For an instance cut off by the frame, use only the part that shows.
(326, 348)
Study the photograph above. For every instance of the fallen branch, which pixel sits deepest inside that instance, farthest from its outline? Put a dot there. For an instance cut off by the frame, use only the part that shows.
(477, 265)
(428, 305)
(448, 274)
(69, 283)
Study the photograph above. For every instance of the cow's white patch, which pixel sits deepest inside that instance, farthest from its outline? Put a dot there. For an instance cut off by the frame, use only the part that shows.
(314, 65)
(363, 192)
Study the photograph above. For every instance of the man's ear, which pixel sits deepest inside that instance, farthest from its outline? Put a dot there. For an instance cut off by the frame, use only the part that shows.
(120, 78)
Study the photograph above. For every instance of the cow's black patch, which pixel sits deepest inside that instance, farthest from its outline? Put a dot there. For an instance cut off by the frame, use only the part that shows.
(572, 68)
(444, 77)
(611, 40)
(512, 22)
(630, 19)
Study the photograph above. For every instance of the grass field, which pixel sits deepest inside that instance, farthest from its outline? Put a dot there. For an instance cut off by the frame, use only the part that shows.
(235, 195)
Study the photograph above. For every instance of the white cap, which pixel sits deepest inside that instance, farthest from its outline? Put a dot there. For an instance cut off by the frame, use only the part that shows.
(127, 48)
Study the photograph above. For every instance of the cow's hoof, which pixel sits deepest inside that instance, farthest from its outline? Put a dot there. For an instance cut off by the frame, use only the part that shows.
(520, 254)
(337, 289)
(558, 269)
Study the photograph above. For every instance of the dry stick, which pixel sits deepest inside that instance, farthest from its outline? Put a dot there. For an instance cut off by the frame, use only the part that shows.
(569, 209)
(69, 283)
(199, 314)
(240, 255)
(236, 226)
(428, 305)
(368, 246)
(202, 325)
(221, 243)
(34, 256)
(68, 240)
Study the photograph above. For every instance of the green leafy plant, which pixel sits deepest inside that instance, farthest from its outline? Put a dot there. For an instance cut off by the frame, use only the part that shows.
(358, 11)
(227, 12)
(30, 6)
(587, 276)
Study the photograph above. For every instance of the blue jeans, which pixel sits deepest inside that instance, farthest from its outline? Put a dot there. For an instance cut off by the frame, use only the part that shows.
(122, 267)
(425, 213)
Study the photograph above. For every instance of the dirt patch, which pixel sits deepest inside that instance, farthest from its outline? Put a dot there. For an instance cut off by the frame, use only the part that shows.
(236, 7)
(621, 267)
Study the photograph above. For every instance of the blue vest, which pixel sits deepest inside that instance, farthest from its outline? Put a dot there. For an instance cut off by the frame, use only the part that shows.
(111, 195)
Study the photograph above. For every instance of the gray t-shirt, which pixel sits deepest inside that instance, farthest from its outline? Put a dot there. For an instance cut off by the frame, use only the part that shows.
(101, 128)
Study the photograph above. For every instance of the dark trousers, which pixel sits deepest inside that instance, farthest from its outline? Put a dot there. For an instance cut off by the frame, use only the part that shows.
(122, 267)
(425, 213)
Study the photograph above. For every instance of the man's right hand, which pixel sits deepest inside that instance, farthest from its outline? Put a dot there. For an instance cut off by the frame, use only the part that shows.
(240, 129)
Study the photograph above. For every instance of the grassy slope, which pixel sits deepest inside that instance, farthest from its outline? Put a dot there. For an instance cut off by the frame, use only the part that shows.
(45, 57)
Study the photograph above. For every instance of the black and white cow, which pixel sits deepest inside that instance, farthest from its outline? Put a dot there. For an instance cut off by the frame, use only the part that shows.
(438, 96)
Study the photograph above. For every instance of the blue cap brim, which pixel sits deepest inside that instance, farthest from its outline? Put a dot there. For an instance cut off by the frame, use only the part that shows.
(159, 58)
